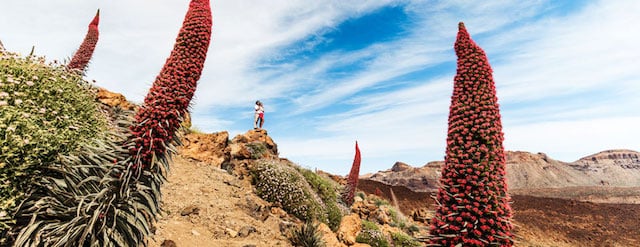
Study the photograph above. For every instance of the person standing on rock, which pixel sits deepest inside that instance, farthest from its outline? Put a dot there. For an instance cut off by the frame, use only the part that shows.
(258, 118)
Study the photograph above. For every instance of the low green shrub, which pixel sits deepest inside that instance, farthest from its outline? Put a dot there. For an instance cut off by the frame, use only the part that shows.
(279, 183)
(413, 229)
(329, 191)
(257, 149)
(397, 218)
(380, 202)
(404, 240)
(45, 112)
(371, 235)
(334, 215)
(361, 194)
(307, 236)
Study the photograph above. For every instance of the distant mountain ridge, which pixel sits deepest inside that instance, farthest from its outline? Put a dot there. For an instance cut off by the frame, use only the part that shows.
(611, 168)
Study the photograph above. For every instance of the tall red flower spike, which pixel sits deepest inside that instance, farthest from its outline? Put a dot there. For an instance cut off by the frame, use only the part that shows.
(473, 204)
(168, 99)
(352, 179)
(84, 53)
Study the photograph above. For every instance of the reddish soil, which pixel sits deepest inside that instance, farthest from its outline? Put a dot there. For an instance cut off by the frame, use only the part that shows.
(544, 221)
(578, 223)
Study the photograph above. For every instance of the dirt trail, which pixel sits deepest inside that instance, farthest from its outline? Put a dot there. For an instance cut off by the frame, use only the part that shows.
(219, 208)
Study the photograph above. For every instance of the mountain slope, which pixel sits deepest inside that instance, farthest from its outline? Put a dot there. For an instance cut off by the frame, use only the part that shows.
(613, 168)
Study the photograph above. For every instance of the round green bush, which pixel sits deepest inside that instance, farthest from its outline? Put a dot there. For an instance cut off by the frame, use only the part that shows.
(371, 235)
(404, 240)
(279, 183)
(46, 111)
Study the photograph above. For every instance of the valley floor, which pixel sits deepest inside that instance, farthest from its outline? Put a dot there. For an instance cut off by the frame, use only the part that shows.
(550, 222)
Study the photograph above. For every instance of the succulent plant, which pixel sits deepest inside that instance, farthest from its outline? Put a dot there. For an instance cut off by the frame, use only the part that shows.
(81, 58)
(352, 179)
(307, 235)
(107, 192)
(473, 204)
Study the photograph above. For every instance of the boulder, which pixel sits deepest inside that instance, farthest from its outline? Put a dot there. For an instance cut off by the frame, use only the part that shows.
(114, 99)
(239, 151)
(260, 136)
(208, 148)
(349, 228)
(246, 230)
(328, 236)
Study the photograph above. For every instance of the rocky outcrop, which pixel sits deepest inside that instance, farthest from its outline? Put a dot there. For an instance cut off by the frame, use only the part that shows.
(209, 148)
(418, 179)
(114, 99)
(624, 158)
(329, 237)
(617, 168)
(257, 136)
(235, 155)
(349, 228)
(400, 166)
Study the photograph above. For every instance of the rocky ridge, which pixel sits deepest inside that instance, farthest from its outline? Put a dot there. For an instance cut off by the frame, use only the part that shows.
(612, 168)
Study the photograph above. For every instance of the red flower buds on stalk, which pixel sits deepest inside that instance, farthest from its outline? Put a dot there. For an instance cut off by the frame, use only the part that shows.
(473, 207)
(169, 97)
(352, 179)
(83, 54)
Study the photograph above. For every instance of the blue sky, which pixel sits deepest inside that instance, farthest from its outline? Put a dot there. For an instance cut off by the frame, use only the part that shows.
(379, 72)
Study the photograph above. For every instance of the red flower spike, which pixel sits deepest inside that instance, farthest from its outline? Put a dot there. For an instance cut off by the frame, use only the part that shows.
(83, 54)
(352, 179)
(474, 156)
(169, 97)
(378, 192)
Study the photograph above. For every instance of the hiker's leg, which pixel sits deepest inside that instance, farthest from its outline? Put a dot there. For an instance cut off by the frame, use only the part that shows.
(255, 120)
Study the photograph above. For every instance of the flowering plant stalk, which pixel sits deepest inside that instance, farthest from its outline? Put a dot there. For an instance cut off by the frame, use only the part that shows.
(81, 58)
(168, 99)
(473, 204)
(352, 179)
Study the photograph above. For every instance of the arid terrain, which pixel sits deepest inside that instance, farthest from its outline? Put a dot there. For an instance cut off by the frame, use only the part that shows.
(207, 206)
(544, 221)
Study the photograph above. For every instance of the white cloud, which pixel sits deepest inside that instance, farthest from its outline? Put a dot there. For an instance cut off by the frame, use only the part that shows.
(589, 51)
